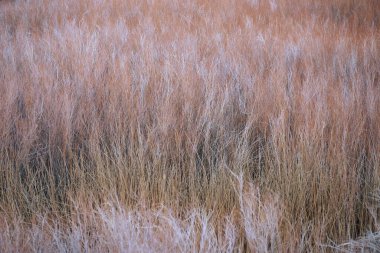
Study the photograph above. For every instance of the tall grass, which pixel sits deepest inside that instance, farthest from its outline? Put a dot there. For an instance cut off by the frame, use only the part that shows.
(189, 125)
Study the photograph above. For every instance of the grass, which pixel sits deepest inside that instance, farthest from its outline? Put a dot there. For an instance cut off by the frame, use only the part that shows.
(177, 126)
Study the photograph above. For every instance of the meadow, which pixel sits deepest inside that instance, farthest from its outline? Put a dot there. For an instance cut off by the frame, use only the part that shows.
(190, 126)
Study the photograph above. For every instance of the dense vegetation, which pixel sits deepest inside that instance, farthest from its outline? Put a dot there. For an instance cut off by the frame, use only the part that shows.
(178, 126)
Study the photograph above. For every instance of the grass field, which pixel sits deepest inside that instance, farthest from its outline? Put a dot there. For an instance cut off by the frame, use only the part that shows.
(190, 126)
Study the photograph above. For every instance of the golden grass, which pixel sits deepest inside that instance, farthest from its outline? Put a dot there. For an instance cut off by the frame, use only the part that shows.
(157, 125)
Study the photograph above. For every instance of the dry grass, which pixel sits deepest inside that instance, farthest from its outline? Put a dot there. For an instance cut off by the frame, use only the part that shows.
(177, 126)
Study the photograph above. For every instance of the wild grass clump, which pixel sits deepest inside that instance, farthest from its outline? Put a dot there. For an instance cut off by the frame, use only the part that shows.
(189, 125)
